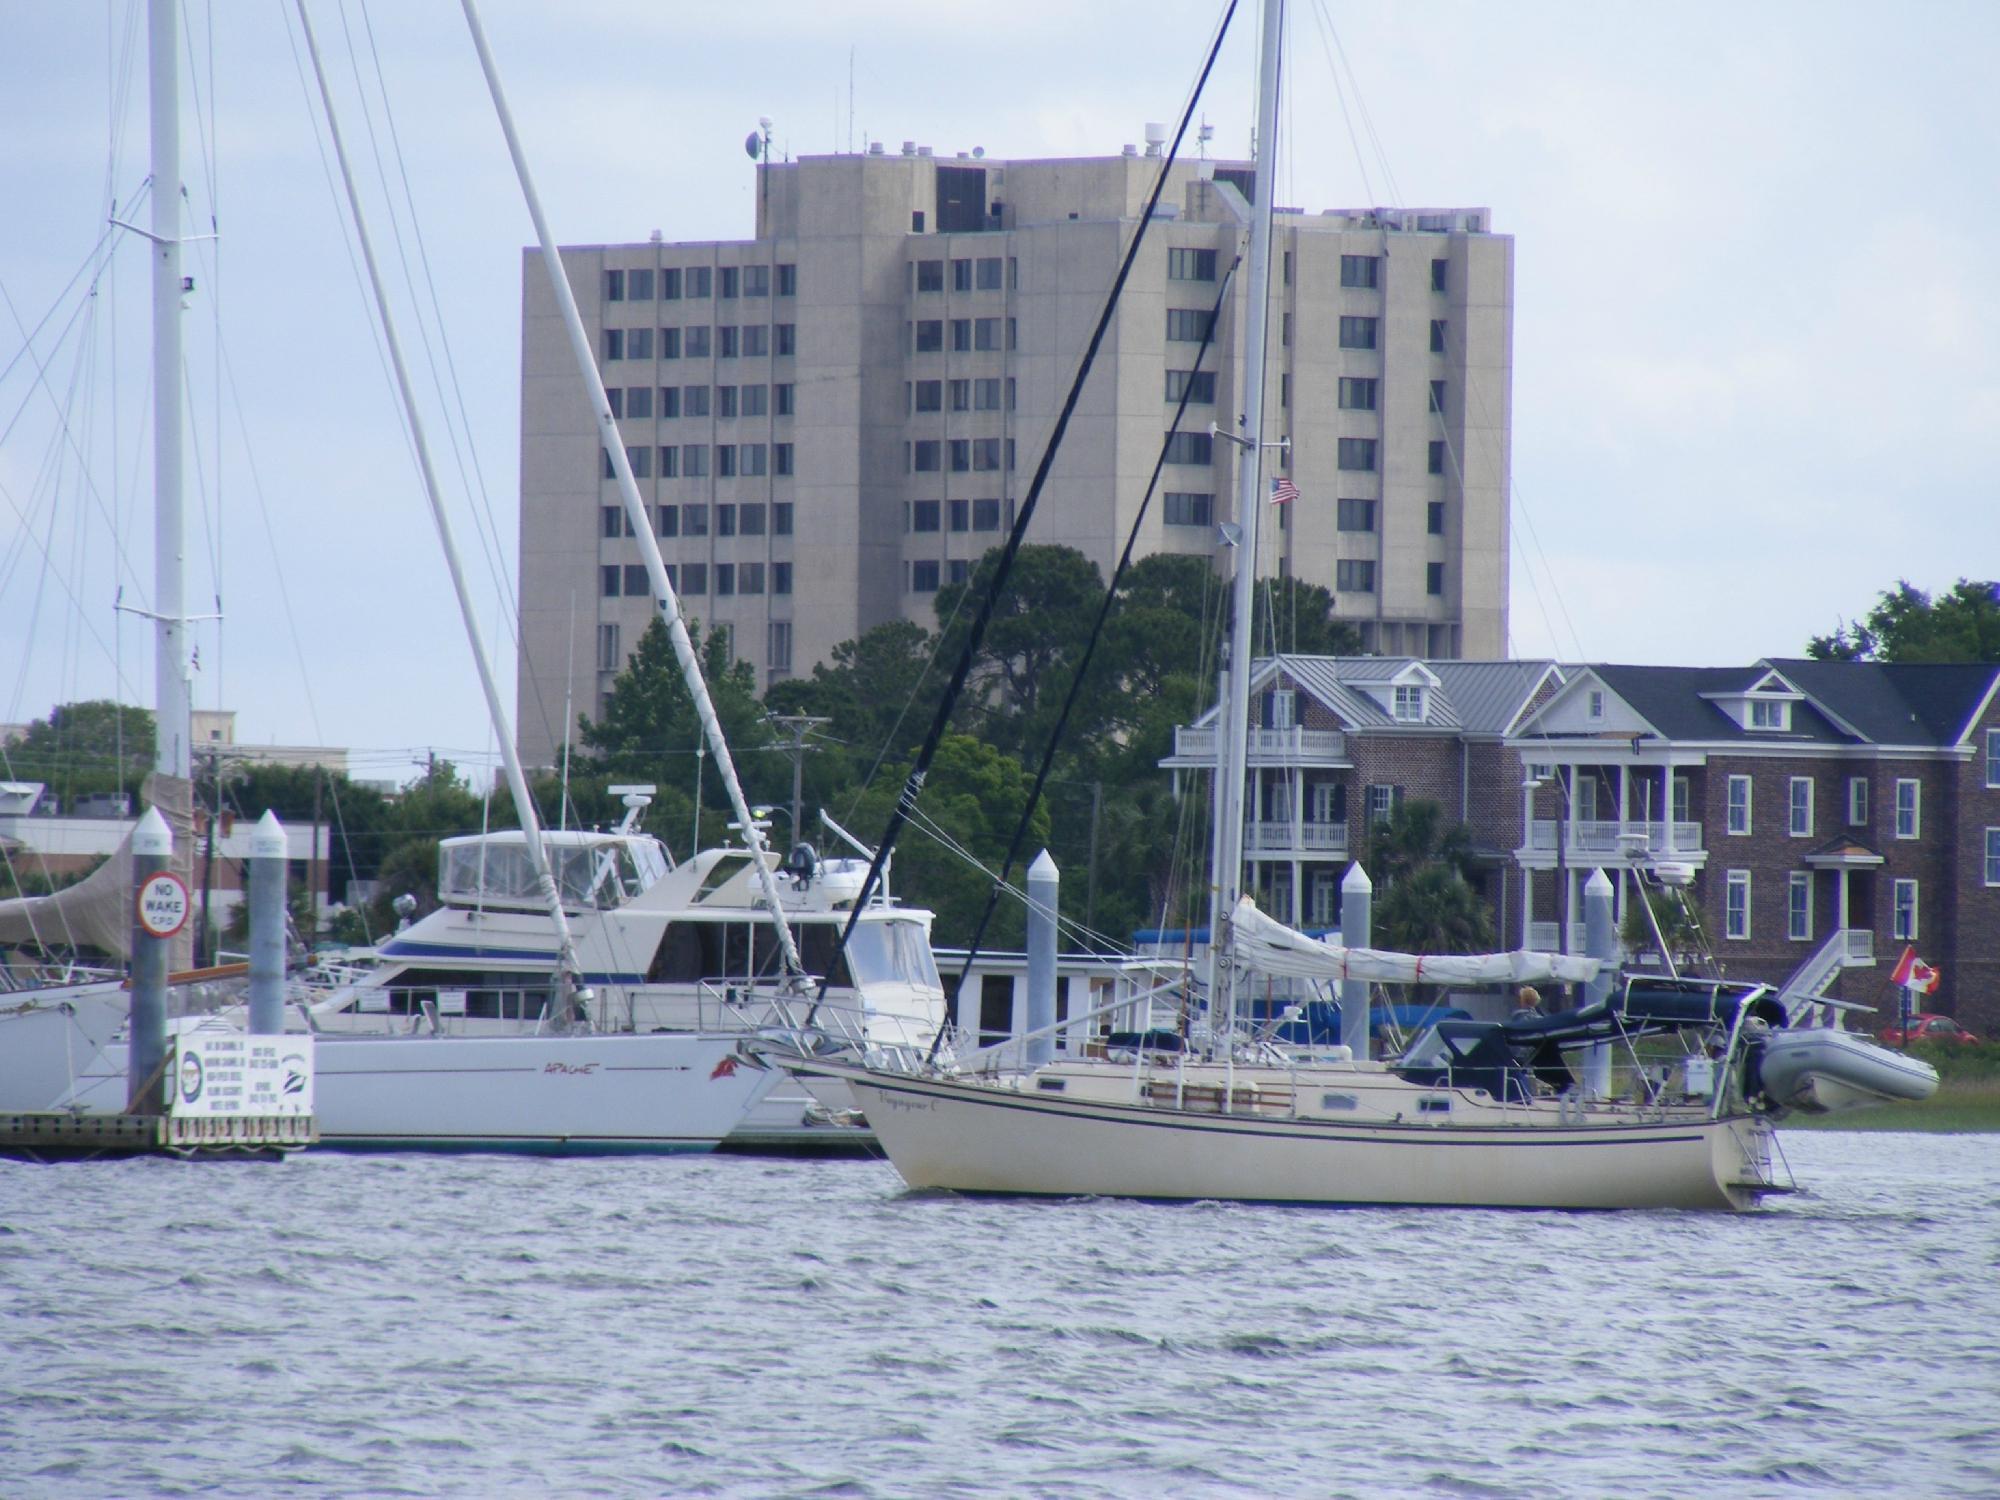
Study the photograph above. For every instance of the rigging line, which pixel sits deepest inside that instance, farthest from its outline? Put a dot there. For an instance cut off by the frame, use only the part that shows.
(1016, 846)
(913, 785)
(489, 531)
(1340, 98)
(1361, 107)
(95, 263)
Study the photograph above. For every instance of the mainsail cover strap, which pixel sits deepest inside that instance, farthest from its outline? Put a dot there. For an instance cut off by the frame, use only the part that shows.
(1267, 946)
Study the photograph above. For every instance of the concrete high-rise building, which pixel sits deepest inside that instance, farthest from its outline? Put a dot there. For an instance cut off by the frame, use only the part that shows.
(835, 418)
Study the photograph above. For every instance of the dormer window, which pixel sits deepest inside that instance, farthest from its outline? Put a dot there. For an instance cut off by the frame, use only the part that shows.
(1409, 703)
(1597, 703)
(1281, 711)
(1770, 714)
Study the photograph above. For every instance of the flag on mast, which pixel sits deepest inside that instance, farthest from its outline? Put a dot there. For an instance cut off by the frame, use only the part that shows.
(1913, 973)
(1283, 490)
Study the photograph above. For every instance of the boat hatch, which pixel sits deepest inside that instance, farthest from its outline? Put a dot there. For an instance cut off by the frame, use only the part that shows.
(602, 873)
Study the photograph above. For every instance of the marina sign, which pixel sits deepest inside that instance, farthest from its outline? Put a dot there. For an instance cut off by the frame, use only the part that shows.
(163, 904)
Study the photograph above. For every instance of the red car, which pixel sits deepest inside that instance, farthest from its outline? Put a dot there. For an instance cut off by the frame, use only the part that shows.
(1928, 1028)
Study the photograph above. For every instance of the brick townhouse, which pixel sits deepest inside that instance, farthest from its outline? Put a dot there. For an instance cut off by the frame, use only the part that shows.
(1831, 812)
(1339, 741)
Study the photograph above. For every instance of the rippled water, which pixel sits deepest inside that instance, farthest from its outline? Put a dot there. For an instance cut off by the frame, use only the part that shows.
(414, 1325)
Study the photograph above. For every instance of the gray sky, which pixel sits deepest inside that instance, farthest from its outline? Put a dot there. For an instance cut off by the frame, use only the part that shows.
(1757, 343)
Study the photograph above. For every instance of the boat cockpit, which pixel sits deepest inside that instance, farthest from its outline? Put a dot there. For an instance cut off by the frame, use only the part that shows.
(598, 871)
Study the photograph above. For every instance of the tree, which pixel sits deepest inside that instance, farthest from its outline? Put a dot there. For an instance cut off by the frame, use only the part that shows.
(1432, 910)
(1039, 624)
(1908, 625)
(1414, 837)
(1298, 618)
(83, 748)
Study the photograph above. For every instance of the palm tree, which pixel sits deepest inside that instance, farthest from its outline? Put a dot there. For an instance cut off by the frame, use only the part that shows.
(1433, 911)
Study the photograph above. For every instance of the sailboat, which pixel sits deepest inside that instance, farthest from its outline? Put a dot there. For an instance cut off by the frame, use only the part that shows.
(1472, 1114)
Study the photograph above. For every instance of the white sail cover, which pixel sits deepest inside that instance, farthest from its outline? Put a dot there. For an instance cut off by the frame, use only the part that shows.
(1270, 947)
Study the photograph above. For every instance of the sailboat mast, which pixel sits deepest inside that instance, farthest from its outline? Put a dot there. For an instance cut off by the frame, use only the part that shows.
(1231, 777)
(171, 688)
(637, 516)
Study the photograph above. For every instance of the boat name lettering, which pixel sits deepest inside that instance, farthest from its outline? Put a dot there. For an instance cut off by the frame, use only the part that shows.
(571, 1070)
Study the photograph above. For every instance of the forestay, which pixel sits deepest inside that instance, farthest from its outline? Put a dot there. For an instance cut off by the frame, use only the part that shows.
(1263, 944)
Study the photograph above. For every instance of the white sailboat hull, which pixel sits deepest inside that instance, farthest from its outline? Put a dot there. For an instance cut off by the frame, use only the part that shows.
(587, 1094)
(983, 1138)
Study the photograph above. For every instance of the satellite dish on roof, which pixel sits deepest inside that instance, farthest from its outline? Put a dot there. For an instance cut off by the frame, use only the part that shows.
(753, 144)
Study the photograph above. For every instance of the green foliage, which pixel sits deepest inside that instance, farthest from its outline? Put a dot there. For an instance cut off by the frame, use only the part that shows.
(84, 748)
(1416, 836)
(1424, 899)
(1908, 625)
(1670, 911)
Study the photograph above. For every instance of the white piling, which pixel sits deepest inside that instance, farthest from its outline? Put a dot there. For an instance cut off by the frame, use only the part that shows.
(152, 854)
(1044, 900)
(1357, 918)
(267, 926)
(1600, 941)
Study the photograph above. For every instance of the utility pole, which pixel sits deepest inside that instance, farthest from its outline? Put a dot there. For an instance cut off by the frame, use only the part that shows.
(801, 728)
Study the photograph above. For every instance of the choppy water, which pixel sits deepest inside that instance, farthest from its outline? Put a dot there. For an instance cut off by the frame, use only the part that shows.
(413, 1325)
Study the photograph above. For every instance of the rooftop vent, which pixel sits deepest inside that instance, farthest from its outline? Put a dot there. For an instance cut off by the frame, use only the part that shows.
(1129, 149)
(875, 149)
(1156, 137)
(909, 148)
(923, 151)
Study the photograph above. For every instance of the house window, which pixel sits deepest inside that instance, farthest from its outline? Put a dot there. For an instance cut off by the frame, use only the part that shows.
(1857, 800)
(1281, 709)
(778, 654)
(1357, 455)
(1440, 275)
(1681, 799)
(1798, 906)
(1906, 912)
(1739, 804)
(608, 656)
(1993, 757)
(1736, 908)
(1770, 713)
(1434, 578)
(1356, 394)
(1357, 333)
(1325, 889)
(1359, 270)
(1190, 448)
(1597, 703)
(1437, 335)
(1409, 701)
(1189, 265)
(1198, 386)
(1356, 515)
(1183, 508)
(1382, 802)
(1326, 802)
(1187, 325)
(1434, 518)
(923, 577)
(1801, 800)
(1909, 808)
(1354, 575)
(1993, 856)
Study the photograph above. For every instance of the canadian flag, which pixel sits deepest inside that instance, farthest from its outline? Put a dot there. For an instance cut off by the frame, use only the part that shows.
(1913, 973)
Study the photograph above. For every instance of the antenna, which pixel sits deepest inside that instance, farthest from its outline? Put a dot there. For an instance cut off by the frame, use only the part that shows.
(850, 98)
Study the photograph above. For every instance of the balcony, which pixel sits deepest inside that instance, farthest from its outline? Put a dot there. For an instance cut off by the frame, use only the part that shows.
(1305, 841)
(1599, 840)
(1268, 747)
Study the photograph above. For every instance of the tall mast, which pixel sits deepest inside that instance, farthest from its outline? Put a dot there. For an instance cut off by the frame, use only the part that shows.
(1231, 780)
(637, 516)
(171, 688)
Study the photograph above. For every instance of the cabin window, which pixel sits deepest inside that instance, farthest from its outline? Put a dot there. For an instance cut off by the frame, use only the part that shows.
(1339, 1101)
(1433, 1104)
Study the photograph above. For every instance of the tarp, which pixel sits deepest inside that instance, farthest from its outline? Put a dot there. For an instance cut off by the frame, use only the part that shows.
(1270, 947)
(96, 912)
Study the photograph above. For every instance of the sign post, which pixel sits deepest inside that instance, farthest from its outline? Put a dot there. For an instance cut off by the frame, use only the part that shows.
(159, 910)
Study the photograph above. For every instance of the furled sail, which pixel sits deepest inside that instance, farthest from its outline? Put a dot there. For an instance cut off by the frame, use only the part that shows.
(96, 912)
(1268, 946)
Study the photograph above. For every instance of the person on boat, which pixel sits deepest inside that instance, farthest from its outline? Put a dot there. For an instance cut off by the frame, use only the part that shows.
(1527, 1004)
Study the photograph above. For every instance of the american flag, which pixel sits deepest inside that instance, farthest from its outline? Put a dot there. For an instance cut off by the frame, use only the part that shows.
(1282, 490)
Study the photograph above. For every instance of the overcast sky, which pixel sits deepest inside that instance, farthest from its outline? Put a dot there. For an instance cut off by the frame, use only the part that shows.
(1757, 339)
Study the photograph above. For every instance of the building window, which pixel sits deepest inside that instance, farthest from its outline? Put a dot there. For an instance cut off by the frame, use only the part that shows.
(1409, 703)
(608, 655)
(986, 393)
(614, 523)
(698, 280)
(1993, 757)
(1357, 454)
(614, 343)
(1798, 906)
(725, 401)
(725, 460)
(781, 400)
(1190, 448)
(986, 334)
(986, 515)
(959, 451)
(788, 280)
(961, 335)
(670, 402)
(1382, 802)
(1437, 335)
(695, 341)
(988, 269)
(751, 456)
(1356, 394)
(930, 275)
(927, 395)
(1993, 856)
(756, 400)
(1359, 270)
(1434, 457)
(785, 339)
(1906, 912)
(1354, 575)
(1434, 578)
(927, 456)
(1739, 805)
(1434, 517)
(1800, 794)
(725, 341)
(670, 462)
(641, 460)
(1736, 910)
(694, 400)
(959, 515)
(725, 520)
(694, 520)
(1197, 386)
(923, 577)
(1185, 325)
(1185, 508)
(725, 580)
(670, 344)
(694, 578)
(781, 518)
(778, 651)
(1357, 333)
(1440, 275)
(730, 279)
(670, 520)
(986, 454)
(756, 340)
(607, 580)
(961, 275)
(924, 516)
(1356, 515)
(1909, 808)
(614, 286)
(636, 584)
(1437, 397)
(1770, 713)
(1857, 800)
(750, 578)
(1190, 265)
(781, 578)
(929, 337)
(781, 459)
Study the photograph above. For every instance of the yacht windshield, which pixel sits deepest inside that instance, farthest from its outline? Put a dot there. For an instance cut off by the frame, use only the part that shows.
(603, 874)
(892, 952)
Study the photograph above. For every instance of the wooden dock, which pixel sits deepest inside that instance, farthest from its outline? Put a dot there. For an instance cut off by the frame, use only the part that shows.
(65, 1135)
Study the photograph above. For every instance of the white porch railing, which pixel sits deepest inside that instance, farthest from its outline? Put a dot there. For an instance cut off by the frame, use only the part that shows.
(1546, 937)
(1269, 747)
(1329, 839)
(1605, 838)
